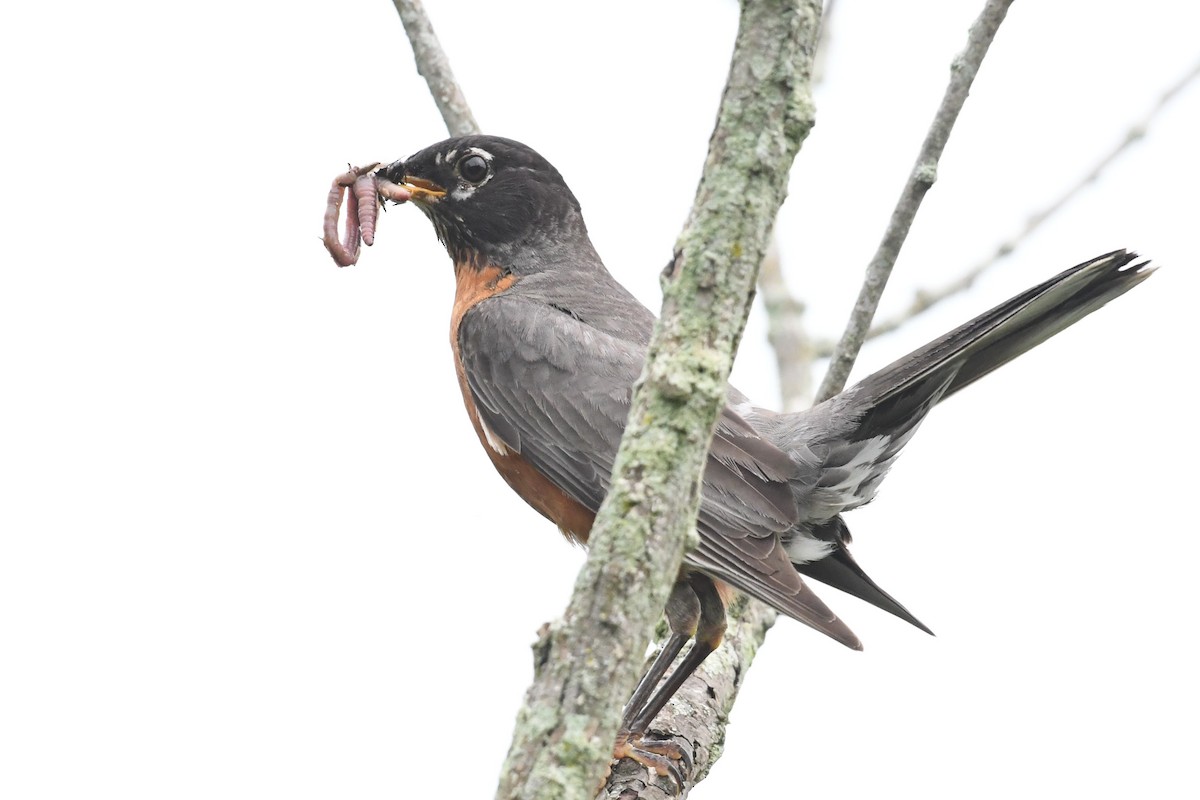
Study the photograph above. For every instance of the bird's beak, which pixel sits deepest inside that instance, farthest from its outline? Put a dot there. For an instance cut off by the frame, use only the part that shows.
(395, 185)
(421, 189)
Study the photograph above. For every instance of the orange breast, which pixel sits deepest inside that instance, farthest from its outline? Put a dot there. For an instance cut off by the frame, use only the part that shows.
(474, 285)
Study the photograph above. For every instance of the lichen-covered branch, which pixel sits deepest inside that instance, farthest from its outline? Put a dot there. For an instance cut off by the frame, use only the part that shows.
(566, 730)
(434, 67)
(924, 173)
(766, 112)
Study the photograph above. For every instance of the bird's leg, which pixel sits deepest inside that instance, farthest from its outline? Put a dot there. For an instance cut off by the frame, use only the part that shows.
(695, 609)
(683, 617)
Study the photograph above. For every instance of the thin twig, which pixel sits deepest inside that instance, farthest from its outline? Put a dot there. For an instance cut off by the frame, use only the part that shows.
(924, 299)
(789, 340)
(785, 331)
(824, 36)
(434, 67)
(962, 74)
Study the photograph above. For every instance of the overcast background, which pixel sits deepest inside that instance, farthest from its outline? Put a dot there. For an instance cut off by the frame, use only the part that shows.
(250, 547)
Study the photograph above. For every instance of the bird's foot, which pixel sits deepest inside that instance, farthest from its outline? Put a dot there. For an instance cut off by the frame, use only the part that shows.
(662, 756)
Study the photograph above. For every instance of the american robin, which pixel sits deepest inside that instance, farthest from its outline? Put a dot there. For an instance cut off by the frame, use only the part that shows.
(547, 347)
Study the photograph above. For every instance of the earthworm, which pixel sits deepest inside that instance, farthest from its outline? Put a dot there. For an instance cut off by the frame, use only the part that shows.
(391, 191)
(366, 199)
(345, 251)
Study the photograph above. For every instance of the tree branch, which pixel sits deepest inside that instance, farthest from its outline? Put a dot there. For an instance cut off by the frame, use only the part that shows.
(790, 342)
(962, 74)
(434, 67)
(925, 299)
(765, 113)
(566, 729)
(793, 348)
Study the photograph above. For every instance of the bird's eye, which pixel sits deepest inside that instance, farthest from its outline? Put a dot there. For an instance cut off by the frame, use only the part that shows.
(473, 168)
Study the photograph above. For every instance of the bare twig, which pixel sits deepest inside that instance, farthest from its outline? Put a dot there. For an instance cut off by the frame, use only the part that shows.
(824, 37)
(924, 299)
(786, 334)
(963, 71)
(785, 331)
(434, 67)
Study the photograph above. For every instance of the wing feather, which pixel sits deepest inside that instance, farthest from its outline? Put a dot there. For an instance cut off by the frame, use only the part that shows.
(558, 391)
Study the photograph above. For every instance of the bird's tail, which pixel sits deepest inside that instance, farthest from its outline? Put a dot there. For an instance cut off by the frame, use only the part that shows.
(851, 440)
(839, 570)
(1008, 330)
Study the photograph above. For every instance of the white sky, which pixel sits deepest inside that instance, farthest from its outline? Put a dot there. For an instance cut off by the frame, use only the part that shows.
(249, 546)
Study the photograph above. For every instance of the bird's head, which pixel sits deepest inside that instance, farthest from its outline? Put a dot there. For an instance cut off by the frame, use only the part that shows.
(493, 199)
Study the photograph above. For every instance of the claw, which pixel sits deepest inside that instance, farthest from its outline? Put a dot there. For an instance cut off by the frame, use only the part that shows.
(661, 756)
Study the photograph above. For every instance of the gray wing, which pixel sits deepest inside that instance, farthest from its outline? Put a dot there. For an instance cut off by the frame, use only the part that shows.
(557, 391)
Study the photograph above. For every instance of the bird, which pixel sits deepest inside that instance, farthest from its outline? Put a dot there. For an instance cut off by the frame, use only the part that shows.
(547, 346)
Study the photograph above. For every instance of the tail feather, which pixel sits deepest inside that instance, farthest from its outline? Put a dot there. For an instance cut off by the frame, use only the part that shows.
(849, 442)
(993, 339)
(841, 571)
